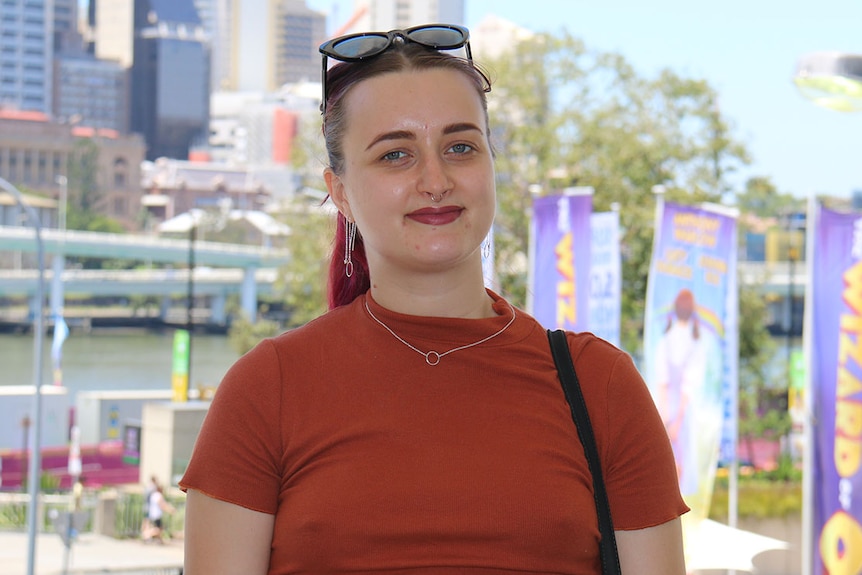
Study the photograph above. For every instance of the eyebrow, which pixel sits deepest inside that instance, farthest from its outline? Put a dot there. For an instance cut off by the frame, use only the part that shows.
(407, 135)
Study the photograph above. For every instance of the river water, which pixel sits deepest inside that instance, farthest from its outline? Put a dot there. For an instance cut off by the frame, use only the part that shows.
(114, 360)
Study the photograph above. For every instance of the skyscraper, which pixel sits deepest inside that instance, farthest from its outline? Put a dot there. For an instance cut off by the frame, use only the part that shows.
(260, 45)
(217, 19)
(26, 49)
(299, 31)
(164, 44)
(399, 14)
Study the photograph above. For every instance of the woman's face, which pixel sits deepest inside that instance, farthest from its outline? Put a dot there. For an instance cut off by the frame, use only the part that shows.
(412, 136)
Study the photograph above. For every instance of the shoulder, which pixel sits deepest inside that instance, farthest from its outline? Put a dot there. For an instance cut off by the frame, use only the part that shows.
(326, 326)
(590, 352)
(607, 374)
(298, 342)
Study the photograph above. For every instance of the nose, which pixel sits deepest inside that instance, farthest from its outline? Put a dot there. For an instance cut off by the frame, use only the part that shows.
(434, 180)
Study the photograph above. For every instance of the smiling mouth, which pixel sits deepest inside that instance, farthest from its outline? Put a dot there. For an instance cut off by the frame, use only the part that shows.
(436, 216)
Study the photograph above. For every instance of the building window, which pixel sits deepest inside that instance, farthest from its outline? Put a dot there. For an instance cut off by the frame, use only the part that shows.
(121, 172)
(42, 173)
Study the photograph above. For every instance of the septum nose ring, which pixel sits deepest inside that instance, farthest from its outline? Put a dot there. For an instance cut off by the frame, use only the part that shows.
(436, 198)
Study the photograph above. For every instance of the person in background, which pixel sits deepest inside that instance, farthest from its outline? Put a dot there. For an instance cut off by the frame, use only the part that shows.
(149, 489)
(420, 426)
(157, 507)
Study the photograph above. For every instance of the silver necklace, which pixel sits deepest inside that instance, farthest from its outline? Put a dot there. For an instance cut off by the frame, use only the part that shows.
(433, 357)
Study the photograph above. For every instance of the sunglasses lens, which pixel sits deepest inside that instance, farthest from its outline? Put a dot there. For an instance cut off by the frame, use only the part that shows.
(359, 47)
(438, 37)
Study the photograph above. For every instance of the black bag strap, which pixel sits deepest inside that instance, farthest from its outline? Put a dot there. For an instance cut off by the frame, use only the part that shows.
(575, 398)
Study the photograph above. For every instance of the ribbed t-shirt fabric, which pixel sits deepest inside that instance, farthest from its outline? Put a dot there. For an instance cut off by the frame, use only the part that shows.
(374, 461)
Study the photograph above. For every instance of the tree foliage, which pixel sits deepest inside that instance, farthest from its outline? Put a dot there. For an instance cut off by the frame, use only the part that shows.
(84, 209)
(303, 283)
(588, 119)
(245, 334)
(762, 403)
(84, 193)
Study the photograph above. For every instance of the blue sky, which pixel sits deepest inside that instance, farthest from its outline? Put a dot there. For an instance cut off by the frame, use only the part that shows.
(746, 49)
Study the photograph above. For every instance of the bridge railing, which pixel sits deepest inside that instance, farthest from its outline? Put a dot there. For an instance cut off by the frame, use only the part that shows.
(141, 247)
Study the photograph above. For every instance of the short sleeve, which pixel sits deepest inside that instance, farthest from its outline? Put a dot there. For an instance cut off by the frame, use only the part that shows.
(635, 452)
(237, 455)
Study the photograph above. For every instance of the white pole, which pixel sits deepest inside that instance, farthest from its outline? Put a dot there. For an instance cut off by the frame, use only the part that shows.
(535, 191)
(36, 428)
(58, 263)
(813, 221)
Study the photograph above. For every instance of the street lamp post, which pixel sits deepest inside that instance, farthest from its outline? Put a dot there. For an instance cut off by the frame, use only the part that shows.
(58, 267)
(36, 423)
(190, 303)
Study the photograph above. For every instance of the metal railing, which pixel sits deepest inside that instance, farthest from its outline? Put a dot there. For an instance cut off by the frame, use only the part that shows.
(125, 521)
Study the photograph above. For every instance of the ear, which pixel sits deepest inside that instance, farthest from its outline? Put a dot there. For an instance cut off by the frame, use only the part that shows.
(335, 187)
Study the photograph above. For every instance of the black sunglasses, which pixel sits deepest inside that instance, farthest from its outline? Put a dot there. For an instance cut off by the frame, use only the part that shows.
(365, 45)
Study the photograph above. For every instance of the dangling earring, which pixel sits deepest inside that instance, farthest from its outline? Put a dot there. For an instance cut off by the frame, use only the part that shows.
(349, 242)
(486, 248)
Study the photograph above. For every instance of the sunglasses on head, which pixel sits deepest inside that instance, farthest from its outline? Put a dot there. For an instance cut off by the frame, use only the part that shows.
(365, 45)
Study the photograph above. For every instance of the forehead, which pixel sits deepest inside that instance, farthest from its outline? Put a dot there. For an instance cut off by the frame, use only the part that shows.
(437, 95)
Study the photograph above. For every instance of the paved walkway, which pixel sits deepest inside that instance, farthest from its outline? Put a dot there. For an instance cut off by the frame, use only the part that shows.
(90, 553)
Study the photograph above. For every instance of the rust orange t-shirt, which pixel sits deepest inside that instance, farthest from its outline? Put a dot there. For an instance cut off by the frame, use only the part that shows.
(374, 461)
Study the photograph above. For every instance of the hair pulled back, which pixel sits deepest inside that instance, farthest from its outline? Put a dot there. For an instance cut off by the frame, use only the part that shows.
(342, 290)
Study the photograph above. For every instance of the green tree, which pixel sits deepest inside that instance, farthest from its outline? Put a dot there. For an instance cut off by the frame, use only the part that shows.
(84, 210)
(588, 119)
(84, 193)
(303, 282)
(762, 402)
(244, 334)
(310, 216)
(761, 409)
(761, 198)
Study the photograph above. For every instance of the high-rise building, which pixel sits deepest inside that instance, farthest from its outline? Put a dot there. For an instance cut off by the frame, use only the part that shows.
(167, 50)
(91, 92)
(399, 14)
(67, 38)
(218, 23)
(26, 50)
(298, 33)
(113, 30)
(268, 43)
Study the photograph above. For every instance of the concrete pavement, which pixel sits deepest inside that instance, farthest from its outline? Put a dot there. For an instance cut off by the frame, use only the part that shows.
(89, 554)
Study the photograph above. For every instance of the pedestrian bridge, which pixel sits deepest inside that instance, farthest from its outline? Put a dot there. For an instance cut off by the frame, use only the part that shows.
(141, 248)
(219, 269)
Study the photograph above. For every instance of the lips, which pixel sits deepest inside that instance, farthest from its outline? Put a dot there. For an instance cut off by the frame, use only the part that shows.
(436, 216)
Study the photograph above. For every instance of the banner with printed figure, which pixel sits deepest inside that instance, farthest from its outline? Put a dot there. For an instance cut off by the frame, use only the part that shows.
(836, 391)
(605, 277)
(560, 284)
(690, 337)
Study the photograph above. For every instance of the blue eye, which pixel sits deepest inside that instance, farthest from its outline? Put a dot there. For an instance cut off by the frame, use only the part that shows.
(461, 148)
(393, 156)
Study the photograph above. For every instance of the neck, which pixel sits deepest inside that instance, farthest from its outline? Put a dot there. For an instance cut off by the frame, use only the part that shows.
(454, 293)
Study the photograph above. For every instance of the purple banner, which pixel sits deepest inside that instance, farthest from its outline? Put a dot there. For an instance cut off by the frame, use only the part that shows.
(690, 338)
(561, 261)
(836, 392)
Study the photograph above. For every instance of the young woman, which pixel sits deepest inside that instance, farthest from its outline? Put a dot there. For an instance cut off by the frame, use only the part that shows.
(419, 426)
